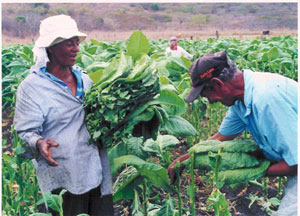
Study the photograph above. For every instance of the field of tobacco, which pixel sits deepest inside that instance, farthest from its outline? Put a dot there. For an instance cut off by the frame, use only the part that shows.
(136, 110)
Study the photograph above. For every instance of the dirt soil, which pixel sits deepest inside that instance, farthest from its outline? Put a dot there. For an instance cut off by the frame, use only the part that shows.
(237, 197)
(166, 34)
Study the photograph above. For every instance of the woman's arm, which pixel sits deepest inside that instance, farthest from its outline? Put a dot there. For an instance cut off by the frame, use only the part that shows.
(28, 118)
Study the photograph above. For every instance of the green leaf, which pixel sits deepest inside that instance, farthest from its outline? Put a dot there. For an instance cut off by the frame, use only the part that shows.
(134, 146)
(60, 198)
(95, 42)
(17, 63)
(20, 150)
(124, 66)
(92, 49)
(101, 76)
(114, 152)
(245, 174)
(96, 135)
(234, 146)
(190, 191)
(147, 115)
(178, 126)
(155, 174)
(265, 57)
(96, 75)
(171, 102)
(163, 80)
(161, 143)
(28, 52)
(177, 64)
(161, 67)
(52, 201)
(136, 206)
(116, 69)
(41, 214)
(95, 66)
(86, 60)
(219, 203)
(275, 201)
(6, 157)
(130, 146)
(187, 63)
(167, 208)
(230, 161)
(162, 115)
(273, 53)
(140, 66)
(138, 44)
(124, 186)
(27, 58)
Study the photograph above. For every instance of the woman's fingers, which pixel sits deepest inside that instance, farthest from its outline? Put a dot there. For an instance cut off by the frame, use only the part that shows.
(46, 151)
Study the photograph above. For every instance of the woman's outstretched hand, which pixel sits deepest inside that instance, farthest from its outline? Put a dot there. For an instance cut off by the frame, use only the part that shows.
(44, 147)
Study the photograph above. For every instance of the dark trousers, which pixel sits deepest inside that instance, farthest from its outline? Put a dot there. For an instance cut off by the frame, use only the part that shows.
(89, 203)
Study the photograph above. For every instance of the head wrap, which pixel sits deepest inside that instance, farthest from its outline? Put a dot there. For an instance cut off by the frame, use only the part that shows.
(53, 30)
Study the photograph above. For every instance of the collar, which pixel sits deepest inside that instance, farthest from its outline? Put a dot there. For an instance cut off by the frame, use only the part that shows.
(77, 73)
(74, 69)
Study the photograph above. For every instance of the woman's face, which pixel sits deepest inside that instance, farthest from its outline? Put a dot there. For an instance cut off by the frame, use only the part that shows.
(173, 44)
(65, 52)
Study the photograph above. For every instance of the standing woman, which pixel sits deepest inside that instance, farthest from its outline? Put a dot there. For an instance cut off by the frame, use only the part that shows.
(176, 51)
(49, 116)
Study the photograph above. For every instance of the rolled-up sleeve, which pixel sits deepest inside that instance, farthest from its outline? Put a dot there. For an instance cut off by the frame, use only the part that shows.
(232, 123)
(28, 119)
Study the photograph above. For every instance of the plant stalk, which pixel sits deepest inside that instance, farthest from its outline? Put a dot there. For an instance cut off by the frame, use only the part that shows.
(145, 199)
(178, 190)
(192, 198)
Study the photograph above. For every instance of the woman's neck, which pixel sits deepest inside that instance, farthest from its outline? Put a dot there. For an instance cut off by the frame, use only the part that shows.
(58, 71)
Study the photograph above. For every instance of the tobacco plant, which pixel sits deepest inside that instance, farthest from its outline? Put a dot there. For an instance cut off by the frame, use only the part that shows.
(114, 66)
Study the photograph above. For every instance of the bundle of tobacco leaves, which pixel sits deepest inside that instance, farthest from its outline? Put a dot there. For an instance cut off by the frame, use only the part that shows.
(120, 105)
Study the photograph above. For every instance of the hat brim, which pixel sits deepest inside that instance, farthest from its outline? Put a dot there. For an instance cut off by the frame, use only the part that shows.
(49, 39)
(194, 93)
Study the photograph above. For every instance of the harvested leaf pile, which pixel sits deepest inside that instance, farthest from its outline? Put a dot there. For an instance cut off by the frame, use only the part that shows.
(114, 107)
(239, 162)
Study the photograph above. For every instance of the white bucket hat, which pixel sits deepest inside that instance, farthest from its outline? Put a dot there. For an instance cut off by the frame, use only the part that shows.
(53, 30)
(56, 29)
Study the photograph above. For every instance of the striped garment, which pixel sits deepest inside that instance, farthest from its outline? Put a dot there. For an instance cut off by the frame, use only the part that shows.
(46, 109)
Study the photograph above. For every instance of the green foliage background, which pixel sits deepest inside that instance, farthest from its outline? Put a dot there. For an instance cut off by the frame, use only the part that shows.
(20, 193)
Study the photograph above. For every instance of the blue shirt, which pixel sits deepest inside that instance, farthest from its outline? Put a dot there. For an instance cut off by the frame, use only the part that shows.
(76, 71)
(270, 113)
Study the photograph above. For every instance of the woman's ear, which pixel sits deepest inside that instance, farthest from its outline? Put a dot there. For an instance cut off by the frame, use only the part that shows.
(49, 50)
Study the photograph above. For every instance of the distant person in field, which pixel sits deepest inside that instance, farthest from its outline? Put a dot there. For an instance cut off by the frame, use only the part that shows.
(266, 104)
(49, 117)
(176, 51)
